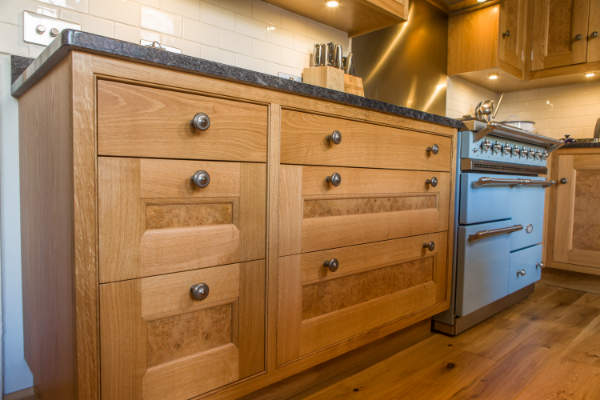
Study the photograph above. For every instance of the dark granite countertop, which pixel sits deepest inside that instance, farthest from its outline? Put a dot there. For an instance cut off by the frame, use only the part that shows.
(580, 145)
(76, 40)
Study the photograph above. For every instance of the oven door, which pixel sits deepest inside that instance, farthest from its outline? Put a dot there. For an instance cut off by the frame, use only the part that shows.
(483, 264)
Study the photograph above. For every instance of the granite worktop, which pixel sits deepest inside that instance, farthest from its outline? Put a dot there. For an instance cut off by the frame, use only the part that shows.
(26, 72)
(580, 145)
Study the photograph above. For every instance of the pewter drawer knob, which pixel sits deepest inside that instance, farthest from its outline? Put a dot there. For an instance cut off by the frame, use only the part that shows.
(433, 149)
(199, 291)
(201, 178)
(429, 246)
(335, 179)
(521, 272)
(432, 181)
(332, 264)
(335, 137)
(201, 121)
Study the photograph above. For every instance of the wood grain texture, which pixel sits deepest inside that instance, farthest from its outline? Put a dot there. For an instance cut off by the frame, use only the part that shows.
(131, 246)
(555, 25)
(161, 216)
(148, 354)
(512, 356)
(371, 205)
(47, 233)
(306, 232)
(586, 217)
(594, 26)
(513, 32)
(356, 17)
(147, 122)
(303, 141)
(473, 40)
(374, 285)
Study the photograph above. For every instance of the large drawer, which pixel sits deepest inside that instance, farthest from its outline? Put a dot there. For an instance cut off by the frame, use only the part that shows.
(153, 219)
(369, 205)
(304, 141)
(158, 341)
(149, 122)
(322, 303)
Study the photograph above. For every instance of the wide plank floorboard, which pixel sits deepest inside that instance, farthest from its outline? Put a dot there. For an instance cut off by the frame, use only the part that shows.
(545, 348)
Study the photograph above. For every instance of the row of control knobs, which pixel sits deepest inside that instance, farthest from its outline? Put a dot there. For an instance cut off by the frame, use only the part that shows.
(515, 151)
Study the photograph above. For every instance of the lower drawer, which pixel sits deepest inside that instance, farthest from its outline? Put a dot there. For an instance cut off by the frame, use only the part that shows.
(524, 268)
(329, 296)
(180, 335)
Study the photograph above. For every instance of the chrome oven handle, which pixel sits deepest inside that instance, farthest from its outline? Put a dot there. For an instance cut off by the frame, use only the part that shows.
(544, 184)
(493, 232)
(496, 182)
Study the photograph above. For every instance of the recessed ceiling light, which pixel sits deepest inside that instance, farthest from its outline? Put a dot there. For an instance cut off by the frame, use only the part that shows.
(493, 77)
(590, 74)
(271, 28)
(481, 1)
(332, 3)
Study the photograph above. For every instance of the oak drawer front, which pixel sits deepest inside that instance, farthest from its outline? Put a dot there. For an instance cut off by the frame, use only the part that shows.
(304, 140)
(159, 342)
(153, 219)
(369, 205)
(374, 284)
(148, 122)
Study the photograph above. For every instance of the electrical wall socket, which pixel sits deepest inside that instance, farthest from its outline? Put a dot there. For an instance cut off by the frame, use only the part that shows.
(41, 29)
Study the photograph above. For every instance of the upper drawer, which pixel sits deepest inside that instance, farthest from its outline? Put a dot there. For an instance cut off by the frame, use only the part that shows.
(153, 219)
(148, 122)
(367, 205)
(304, 140)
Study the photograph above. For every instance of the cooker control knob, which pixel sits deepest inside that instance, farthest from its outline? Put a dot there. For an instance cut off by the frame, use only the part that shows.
(497, 148)
(538, 155)
(486, 145)
(545, 155)
(507, 149)
(531, 154)
(524, 152)
(516, 151)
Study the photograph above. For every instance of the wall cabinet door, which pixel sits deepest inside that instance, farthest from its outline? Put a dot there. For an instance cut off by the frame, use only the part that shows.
(511, 42)
(594, 32)
(577, 214)
(370, 285)
(367, 205)
(154, 220)
(160, 342)
(560, 30)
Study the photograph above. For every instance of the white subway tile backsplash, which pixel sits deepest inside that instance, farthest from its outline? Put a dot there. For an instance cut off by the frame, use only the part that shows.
(79, 5)
(89, 23)
(185, 8)
(219, 55)
(201, 32)
(266, 51)
(11, 42)
(251, 27)
(216, 16)
(235, 42)
(266, 12)
(126, 12)
(161, 21)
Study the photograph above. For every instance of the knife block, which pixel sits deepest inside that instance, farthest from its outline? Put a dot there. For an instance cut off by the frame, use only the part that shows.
(353, 85)
(325, 76)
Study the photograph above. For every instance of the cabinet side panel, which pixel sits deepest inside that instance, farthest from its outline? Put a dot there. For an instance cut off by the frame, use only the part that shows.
(46, 171)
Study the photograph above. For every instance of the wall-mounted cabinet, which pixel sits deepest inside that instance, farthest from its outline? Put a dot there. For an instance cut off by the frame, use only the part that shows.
(526, 44)
(353, 16)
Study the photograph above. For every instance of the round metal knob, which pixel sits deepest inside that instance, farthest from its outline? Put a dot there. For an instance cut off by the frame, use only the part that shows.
(579, 36)
(40, 29)
(201, 121)
(332, 264)
(335, 179)
(505, 34)
(54, 32)
(429, 246)
(432, 181)
(433, 149)
(335, 137)
(201, 178)
(199, 291)
(594, 35)
(486, 145)
(540, 265)
(521, 272)
(563, 180)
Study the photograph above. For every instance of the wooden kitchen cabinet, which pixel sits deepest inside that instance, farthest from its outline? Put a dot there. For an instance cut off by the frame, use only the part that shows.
(490, 39)
(560, 33)
(574, 213)
(171, 262)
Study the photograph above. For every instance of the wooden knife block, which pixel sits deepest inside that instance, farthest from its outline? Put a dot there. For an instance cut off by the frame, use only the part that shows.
(354, 85)
(325, 76)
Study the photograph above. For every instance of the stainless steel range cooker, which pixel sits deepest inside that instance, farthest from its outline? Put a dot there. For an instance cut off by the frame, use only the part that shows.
(499, 221)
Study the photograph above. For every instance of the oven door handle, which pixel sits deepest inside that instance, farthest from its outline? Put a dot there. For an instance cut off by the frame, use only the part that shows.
(482, 182)
(493, 232)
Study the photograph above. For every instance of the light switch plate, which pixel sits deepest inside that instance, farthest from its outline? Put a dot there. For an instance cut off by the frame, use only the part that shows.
(40, 29)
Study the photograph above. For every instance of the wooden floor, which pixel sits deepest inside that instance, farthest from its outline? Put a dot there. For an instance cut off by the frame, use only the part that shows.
(546, 347)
